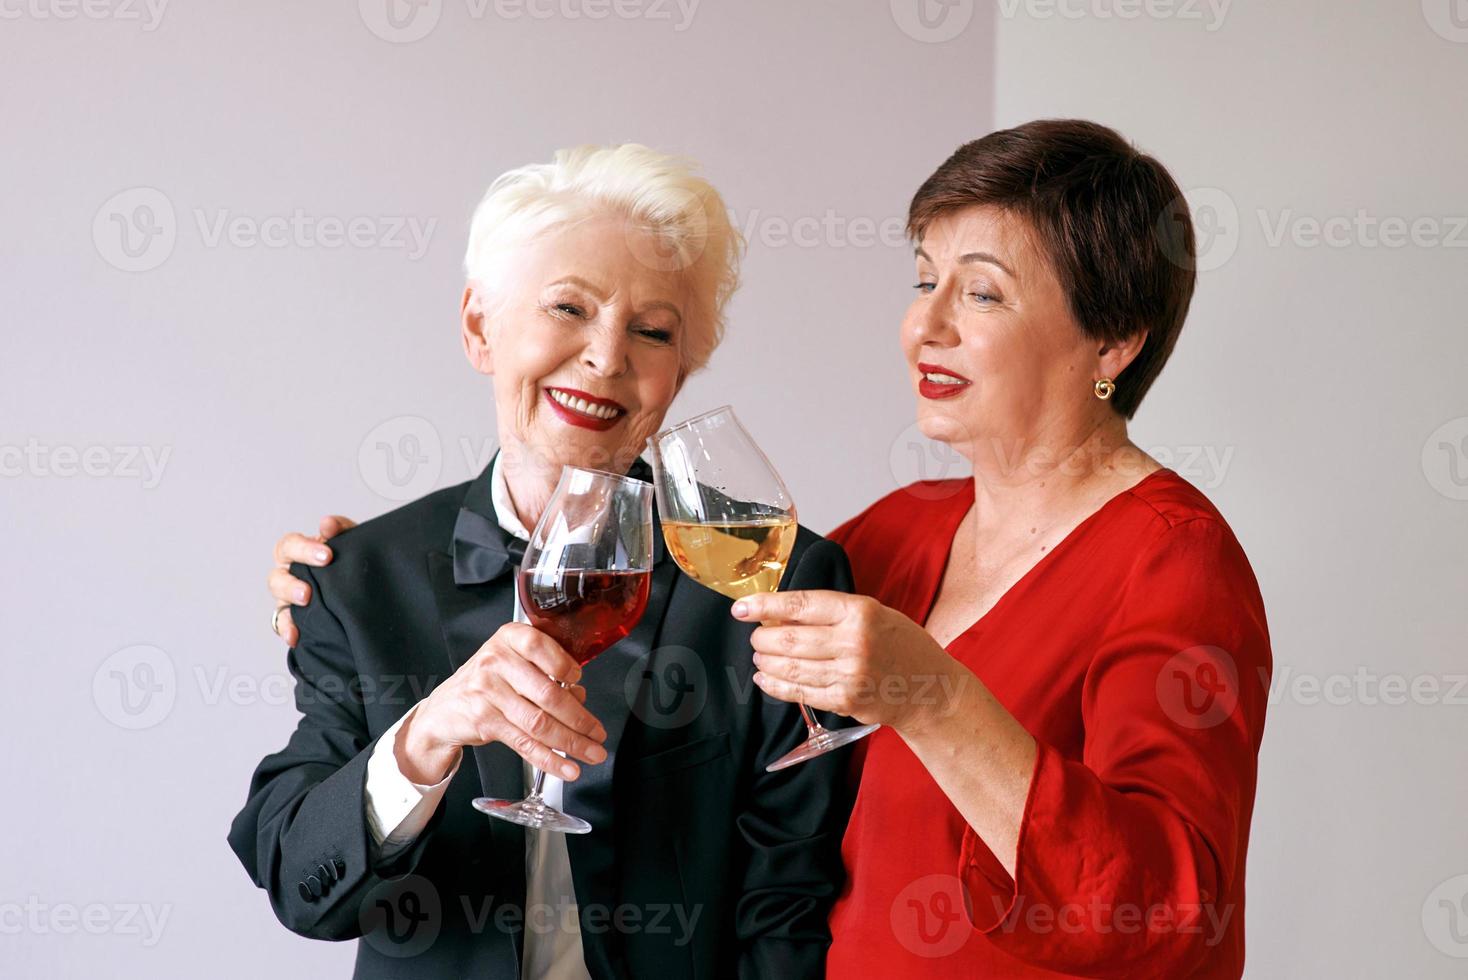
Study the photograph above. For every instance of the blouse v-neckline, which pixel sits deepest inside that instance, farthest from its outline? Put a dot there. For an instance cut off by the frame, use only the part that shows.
(962, 503)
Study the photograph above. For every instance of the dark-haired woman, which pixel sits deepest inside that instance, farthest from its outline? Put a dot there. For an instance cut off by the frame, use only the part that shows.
(1068, 650)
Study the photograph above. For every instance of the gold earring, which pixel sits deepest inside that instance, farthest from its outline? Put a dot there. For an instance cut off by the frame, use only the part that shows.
(1105, 388)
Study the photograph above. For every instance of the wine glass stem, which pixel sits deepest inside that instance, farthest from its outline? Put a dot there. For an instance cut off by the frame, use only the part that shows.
(534, 796)
(813, 727)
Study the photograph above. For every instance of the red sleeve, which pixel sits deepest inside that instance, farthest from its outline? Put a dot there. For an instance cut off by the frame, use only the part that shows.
(1127, 859)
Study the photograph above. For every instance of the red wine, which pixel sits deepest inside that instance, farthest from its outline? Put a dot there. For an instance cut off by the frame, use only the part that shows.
(584, 611)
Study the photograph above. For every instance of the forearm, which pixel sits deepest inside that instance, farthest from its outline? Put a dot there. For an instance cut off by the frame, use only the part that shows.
(981, 758)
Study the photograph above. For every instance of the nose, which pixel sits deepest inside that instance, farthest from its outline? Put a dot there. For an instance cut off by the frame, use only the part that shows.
(930, 319)
(605, 354)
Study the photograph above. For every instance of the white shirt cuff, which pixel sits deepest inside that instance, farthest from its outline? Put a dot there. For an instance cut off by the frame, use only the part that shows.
(397, 808)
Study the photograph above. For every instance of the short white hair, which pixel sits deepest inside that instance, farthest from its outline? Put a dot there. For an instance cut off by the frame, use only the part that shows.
(655, 192)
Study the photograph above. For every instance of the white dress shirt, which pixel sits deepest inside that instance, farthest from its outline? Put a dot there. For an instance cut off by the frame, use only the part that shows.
(398, 810)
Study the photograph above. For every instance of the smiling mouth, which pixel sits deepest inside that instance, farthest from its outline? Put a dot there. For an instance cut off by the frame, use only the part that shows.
(584, 405)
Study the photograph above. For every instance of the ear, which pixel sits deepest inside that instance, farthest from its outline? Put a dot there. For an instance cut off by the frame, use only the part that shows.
(474, 329)
(1112, 359)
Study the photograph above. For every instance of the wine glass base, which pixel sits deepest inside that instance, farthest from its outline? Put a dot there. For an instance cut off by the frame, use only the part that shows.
(819, 744)
(529, 813)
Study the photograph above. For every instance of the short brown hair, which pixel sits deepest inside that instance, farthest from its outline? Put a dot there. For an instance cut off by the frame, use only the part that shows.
(1112, 220)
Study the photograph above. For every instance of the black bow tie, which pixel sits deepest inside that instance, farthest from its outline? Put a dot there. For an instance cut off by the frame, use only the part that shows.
(483, 551)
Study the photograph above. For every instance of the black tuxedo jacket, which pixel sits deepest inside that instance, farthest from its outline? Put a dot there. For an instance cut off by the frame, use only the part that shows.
(700, 863)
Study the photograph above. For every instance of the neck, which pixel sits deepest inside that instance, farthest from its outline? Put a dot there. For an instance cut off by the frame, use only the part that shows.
(1039, 477)
(531, 475)
(530, 479)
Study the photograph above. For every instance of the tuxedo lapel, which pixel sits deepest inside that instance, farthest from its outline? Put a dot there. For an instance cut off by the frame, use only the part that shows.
(612, 681)
(468, 616)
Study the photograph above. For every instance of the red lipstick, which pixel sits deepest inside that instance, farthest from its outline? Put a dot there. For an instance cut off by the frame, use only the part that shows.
(934, 389)
(582, 420)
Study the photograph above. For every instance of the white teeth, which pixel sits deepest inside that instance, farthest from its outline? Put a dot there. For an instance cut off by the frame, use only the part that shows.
(582, 406)
(943, 379)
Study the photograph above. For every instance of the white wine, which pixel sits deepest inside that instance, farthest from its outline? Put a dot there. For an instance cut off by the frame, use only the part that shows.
(734, 558)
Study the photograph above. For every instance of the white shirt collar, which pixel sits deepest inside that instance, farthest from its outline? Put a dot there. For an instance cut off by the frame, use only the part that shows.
(499, 495)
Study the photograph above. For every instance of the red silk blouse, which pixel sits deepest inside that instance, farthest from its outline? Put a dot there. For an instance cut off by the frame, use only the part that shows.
(1136, 653)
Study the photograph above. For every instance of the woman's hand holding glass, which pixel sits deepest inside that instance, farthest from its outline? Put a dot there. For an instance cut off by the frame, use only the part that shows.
(504, 693)
(853, 656)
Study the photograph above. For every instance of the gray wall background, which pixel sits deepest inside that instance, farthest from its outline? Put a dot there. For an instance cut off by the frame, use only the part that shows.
(173, 398)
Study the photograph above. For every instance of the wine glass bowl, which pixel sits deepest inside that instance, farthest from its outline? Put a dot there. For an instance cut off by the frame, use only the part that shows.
(730, 524)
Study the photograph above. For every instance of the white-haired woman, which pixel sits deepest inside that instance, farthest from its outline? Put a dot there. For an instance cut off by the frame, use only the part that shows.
(595, 285)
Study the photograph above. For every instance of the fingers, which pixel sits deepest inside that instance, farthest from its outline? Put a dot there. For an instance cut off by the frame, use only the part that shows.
(545, 730)
(334, 524)
(286, 628)
(288, 589)
(796, 670)
(540, 755)
(541, 650)
(558, 704)
(816, 607)
(298, 547)
(810, 642)
(820, 698)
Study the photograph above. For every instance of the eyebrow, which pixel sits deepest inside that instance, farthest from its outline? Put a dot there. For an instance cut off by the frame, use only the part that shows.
(968, 258)
(657, 304)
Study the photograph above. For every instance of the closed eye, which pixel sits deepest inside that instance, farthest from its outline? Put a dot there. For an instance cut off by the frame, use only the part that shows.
(654, 333)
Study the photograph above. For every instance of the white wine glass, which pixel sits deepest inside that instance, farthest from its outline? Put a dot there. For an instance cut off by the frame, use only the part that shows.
(730, 524)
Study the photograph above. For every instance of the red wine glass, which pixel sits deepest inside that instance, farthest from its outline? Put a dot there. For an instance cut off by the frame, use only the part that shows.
(584, 583)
